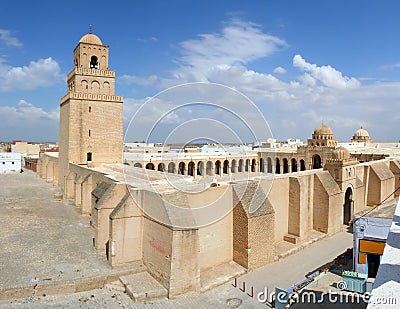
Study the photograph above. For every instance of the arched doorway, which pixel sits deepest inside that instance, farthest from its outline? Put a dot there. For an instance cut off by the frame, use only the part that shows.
(161, 167)
(348, 205)
(302, 165)
(218, 167)
(317, 162)
(137, 165)
(233, 166)
(277, 166)
(261, 165)
(285, 166)
(209, 168)
(171, 167)
(294, 165)
(150, 166)
(200, 167)
(226, 167)
(181, 168)
(246, 166)
(253, 165)
(269, 165)
(191, 168)
(240, 167)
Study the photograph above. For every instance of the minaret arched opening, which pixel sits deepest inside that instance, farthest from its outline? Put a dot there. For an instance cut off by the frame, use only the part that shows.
(94, 64)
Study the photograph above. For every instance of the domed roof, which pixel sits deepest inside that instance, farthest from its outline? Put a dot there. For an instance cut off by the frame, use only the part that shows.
(323, 129)
(340, 153)
(361, 133)
(91, 39)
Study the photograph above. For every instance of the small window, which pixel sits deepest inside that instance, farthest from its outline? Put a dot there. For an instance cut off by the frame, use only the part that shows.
(4, 162)
(89, 156)
(90, 109)
(89, 132)
(12, 162)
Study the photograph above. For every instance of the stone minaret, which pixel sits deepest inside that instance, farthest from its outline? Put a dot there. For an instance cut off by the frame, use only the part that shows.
(91, 116)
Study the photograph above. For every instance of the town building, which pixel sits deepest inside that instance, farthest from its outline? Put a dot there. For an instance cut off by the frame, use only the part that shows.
(10, 162)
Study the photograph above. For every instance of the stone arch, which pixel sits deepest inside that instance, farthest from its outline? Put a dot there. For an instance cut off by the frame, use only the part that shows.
(150, 166)
(348, 206)
(94, 62)
(84, 85)
(209, 168)
(181, 168)
(218, 167)
(253, 165)
(247, 164)
(171, 167)
(106, 88)
(191, 166)
(161, 167)
(262, 165)
(240, 166)
(226, 167)
(95, 86)
(200, 168)
(302, 165)
(269, 165)
(233, 166)
(277, 166)
(137, 164)
(294, 165)
(285, 166)
(317, 162)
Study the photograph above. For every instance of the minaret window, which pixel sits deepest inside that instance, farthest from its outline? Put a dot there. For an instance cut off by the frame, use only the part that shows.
(94, 63)
(89, 156)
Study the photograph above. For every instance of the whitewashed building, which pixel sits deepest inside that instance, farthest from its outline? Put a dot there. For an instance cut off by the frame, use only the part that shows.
(10, 161)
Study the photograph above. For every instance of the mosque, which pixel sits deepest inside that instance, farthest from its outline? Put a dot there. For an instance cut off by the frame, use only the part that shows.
(164, 212)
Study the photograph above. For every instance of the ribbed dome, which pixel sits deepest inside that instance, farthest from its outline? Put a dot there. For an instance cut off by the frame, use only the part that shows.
(340, 153)
(91, 39)
(361, 133)
(323, 129)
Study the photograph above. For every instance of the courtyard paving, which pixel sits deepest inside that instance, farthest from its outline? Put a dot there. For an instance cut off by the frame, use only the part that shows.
(43, 241)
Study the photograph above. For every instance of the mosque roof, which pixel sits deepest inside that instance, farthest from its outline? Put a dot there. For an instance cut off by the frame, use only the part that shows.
(91, 39)
(323, 129)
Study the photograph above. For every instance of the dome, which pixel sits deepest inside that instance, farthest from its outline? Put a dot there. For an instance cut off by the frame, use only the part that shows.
(91, 39)
(340, 153)
(361, 133)
(323, 130)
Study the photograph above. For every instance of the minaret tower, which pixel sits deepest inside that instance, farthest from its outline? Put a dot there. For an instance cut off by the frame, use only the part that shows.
(91, 115)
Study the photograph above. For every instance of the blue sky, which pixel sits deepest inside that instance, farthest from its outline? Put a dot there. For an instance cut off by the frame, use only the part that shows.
(300, 62)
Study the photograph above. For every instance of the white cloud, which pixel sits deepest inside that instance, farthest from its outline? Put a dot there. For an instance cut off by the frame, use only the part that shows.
(329, 76)
(238, 43)
(8, 39)
(41, 73)
(279, 70)
(28, 122)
